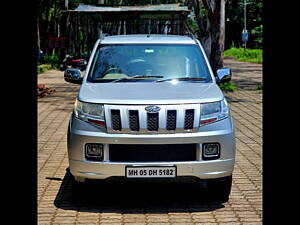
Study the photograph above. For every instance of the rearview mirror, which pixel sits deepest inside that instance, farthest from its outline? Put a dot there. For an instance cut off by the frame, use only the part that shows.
(223, 75)
(73, 75)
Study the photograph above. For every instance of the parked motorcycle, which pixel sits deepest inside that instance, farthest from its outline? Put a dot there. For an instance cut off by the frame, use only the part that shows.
(79, 62)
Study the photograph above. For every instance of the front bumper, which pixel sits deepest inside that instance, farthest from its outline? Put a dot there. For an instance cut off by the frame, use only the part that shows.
(80, 133)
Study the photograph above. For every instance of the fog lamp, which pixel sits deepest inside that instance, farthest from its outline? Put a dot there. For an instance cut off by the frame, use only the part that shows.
(94, 151)
(210, 151)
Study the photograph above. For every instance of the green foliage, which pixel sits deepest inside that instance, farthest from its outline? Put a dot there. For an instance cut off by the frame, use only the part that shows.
(258, 33)
(43, 68)
(245, 55)
(194, 26)
(228, 86)
(260, 86)
(235, 22)
(53, 60)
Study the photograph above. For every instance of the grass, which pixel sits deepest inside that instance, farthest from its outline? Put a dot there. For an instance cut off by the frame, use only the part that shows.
(244, 55)
(43, 68)
(259, 87)
(50, 62)
(228, 86)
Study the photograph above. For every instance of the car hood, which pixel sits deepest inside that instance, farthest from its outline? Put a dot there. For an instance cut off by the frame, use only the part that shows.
(145, 93)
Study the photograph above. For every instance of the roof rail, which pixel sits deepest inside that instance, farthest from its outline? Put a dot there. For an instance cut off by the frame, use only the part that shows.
(191, 35)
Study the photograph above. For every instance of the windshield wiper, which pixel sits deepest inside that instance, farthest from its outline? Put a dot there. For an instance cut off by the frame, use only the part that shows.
(136, 76)
(183, 79)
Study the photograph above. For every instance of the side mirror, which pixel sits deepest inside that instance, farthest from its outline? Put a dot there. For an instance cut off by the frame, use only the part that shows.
(223, 75)
(72, 75)
(62, 67)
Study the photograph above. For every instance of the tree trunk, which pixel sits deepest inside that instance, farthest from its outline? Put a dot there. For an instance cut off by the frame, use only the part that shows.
(66, 5)
(38, 36)
(45, 25)
(204, 25)
(211, 29)
(218, 34)
(206, 43)
(124, 27)
(54, 24)
(216, 28)
(119, 27)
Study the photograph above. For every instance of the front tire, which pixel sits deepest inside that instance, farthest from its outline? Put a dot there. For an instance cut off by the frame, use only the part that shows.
(220, 188)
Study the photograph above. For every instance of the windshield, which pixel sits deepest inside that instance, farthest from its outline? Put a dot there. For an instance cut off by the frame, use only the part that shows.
(148, 62)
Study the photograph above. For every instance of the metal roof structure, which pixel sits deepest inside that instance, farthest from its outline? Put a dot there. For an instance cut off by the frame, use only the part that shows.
(162, 11)
(145, 38)
(86, 23)
(148, 8)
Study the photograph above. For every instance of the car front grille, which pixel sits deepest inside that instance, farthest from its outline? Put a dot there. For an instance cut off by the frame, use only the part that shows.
(152, 121)
(116, 119)
(189, 119)
(134, 124)
(171, 119)
(135, 119)
(152, 153)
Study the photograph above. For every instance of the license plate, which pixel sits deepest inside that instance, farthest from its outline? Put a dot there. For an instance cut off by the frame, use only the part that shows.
(150, 172)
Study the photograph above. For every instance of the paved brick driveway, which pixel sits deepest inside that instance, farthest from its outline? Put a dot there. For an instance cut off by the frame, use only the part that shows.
(148, 203)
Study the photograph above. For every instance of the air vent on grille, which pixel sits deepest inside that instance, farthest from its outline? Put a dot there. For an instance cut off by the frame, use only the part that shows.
(189, 119)
(116, 119)
(152, 121)
(134, 120)
(171, 120)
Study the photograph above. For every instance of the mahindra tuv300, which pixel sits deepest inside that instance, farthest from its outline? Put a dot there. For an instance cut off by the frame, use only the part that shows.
(149, 107)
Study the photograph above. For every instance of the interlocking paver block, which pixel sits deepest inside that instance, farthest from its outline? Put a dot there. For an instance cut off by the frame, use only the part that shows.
(55, 204)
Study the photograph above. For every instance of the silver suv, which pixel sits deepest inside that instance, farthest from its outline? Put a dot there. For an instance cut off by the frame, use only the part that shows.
(149, 106)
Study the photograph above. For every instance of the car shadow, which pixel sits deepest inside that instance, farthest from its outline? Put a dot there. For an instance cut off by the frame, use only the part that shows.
(134, 197)
(233, 99)
(246, 84)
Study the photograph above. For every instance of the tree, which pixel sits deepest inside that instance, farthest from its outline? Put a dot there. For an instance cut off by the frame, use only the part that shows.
(210, 17)
(215, 12)
(235, 23)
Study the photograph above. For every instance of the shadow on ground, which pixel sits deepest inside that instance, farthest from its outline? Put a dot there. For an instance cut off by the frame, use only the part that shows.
(246, 84)
(134, 197)
(232, 99)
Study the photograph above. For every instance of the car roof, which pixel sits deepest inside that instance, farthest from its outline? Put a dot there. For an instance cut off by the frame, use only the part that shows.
(147, 38)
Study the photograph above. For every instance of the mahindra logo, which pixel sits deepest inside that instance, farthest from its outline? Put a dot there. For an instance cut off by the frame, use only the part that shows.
(152, 109)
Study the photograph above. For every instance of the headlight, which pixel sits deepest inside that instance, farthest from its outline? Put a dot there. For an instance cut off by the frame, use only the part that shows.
(212, 112)
(89, 112)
